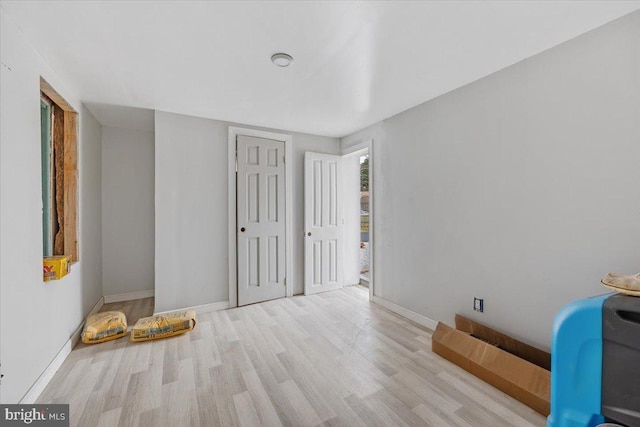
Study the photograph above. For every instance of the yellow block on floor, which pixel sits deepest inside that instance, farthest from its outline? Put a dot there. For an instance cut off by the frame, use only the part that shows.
(163, 326)
(101, 327)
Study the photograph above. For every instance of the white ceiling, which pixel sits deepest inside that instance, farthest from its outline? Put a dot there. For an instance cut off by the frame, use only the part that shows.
(355, 62)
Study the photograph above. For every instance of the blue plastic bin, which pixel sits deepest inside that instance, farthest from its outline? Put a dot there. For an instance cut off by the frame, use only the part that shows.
(576, 365)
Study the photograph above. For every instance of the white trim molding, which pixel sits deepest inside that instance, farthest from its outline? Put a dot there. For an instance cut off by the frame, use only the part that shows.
(405, 312)
(205, 308)
(231, 202)
(43, 380)
(129, 296)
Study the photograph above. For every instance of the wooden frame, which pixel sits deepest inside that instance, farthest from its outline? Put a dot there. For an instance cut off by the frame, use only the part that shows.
(65, 146)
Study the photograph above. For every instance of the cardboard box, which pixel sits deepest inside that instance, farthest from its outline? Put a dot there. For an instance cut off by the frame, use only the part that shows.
(55, 267)
(523, 380)
(525, 351)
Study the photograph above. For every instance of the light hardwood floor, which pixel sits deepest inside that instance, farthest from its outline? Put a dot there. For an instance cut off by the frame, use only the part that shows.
(327, 359)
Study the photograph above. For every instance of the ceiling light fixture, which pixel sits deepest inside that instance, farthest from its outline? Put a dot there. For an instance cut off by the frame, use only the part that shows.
(282, 59)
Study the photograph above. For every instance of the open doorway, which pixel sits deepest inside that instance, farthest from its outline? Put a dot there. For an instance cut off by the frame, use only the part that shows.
(365, 259)
(358, 216)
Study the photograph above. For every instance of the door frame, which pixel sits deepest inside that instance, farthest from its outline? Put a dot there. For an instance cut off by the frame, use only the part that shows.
(232, 207)
(368, 145)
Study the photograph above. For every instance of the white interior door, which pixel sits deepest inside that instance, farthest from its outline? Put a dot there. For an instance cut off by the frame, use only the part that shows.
(323, 223)
(260, 219)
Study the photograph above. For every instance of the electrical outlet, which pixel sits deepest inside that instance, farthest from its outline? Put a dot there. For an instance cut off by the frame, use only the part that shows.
(478, 304)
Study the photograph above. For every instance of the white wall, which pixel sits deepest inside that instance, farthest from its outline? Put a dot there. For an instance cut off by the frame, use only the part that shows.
(191, 223)
(522, 188)
(128, 230)
(38, 318)
(191, 208)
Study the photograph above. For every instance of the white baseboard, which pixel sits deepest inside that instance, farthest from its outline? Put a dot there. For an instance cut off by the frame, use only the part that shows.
(129, 296)
(405, 312)
(43, 380)
(205, 308)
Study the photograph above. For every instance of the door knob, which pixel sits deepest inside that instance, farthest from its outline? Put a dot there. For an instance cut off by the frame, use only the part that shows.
(243, 229)
(309, 234)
